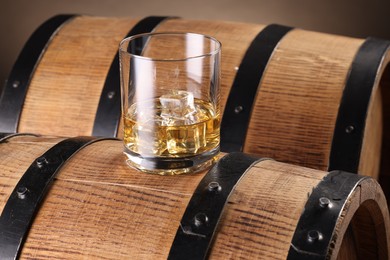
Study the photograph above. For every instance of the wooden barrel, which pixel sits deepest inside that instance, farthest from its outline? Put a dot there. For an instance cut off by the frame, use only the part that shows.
(301, 97)
(94, 206)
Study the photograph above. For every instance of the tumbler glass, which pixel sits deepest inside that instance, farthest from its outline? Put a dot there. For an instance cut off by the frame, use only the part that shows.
(170, 101)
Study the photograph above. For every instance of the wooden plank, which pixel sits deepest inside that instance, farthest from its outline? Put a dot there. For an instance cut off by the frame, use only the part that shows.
(67, 84)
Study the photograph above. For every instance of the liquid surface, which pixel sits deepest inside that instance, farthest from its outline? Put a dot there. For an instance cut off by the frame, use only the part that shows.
(171, 127)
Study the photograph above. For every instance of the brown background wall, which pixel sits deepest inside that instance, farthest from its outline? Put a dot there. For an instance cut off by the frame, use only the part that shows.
(357, 18)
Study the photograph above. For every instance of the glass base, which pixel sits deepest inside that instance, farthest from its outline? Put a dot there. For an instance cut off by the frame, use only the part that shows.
(171, 165)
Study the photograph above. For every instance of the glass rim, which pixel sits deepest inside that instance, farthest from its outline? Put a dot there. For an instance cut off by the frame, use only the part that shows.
(207, 54)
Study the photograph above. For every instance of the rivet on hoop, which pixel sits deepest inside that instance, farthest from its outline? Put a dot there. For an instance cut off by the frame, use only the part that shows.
(214, 186)
(41, 161)
(15, 84)
(349, 129)
(313, 236)
(22, 191)
(324, 202)
(238, 109)
(111, 94)
(200, 219)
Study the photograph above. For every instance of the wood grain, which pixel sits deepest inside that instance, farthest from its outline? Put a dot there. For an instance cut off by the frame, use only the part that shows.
(366, 214)
(274, 194)
(65, 90)
(230, 34)
(300, 93)
(384, 88)
(370, 157)
(98, 207)
(16, 156)
(295, 108)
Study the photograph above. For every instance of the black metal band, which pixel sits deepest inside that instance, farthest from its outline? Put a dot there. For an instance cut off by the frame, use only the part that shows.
(317, 223)
(108, 113)
(15, 89)
(6, 136)
(236, 117)
(349, 129)
(24, 201)
(198, 224)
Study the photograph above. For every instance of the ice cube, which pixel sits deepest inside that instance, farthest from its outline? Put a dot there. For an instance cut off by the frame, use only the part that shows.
(149, 138)
(177, 107)
(186, 140)
(178, 104)
(142, 112)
